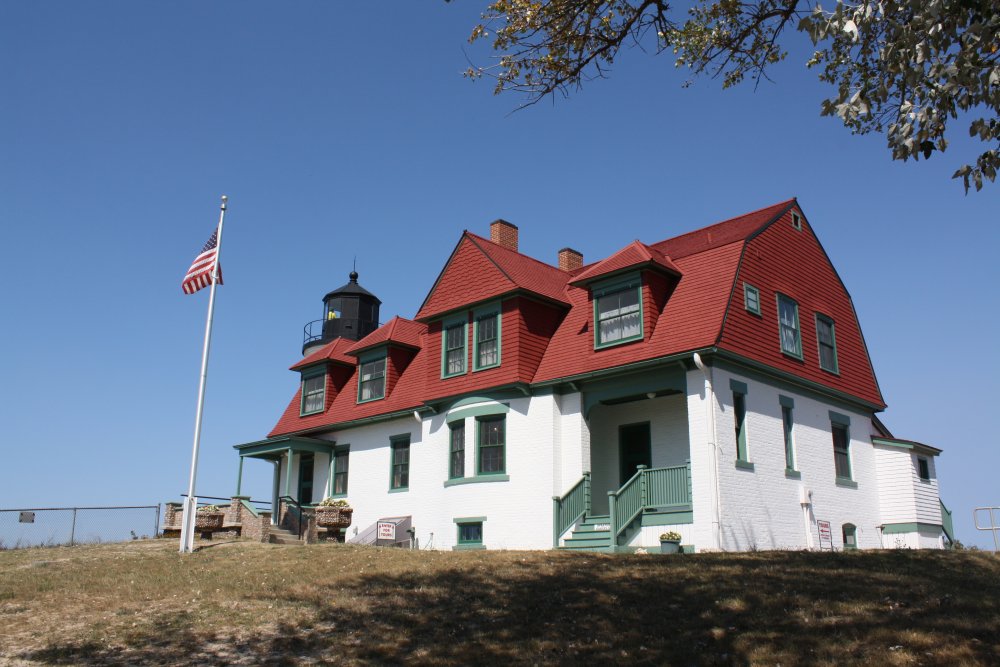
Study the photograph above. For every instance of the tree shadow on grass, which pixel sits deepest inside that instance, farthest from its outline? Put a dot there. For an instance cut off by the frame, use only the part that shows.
(713, 609)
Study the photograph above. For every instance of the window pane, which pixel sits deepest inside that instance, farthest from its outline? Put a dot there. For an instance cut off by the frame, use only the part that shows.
(470, 533)
(786, 417)
(457, 449)
(841, 452)
(827, 351)
(491, 445)
(619, 315)
(486, 341)
(789, 323)
(740, 415)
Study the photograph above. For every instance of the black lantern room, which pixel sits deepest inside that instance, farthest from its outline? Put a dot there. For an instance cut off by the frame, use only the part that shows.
(349, 312)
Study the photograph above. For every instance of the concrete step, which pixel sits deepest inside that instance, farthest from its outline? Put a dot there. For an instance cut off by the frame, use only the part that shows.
(282, 536)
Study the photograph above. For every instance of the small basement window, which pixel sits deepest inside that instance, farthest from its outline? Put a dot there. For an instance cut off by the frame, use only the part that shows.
(470, 533)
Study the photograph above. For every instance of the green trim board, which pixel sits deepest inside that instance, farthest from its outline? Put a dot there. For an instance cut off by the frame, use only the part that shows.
(918, 447)
(744, 465)
(275, 448)
(633, 384)
(478, 479)
(620, 285)
(489, 311)
(786, 401)
(847, 482)
(737, 386)
(792, 474)
(911, 527)
(469, 519)
(667, 518)
(839, 419)
(478, 411)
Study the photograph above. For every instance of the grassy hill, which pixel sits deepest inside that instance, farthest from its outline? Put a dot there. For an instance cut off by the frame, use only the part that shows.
(242, 603)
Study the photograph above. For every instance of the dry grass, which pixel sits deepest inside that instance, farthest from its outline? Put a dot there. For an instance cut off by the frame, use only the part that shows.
(240, 603)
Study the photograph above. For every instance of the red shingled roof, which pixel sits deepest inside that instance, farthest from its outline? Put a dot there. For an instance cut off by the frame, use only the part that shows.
(332, 351)
(634, 255)
(479, 270)
(398, 330)
(706, 262)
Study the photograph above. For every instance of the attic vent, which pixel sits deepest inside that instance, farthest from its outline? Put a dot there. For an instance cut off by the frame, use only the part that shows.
(796, 221)
(504, 233)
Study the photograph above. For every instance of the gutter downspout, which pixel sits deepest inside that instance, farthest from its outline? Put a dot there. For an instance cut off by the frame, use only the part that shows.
(713, 446)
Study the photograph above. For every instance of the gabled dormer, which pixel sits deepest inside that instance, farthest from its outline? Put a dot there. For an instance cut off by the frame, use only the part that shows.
(324, 374)
(383, 356)
(627, 292)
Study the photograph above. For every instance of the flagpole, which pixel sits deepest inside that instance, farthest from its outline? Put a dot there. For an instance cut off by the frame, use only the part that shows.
(190, 503)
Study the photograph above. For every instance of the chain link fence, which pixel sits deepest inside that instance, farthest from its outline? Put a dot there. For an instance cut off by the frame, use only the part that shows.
(57, 526)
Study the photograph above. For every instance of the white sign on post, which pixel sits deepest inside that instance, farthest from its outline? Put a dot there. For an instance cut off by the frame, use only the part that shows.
(386, 530)
(825, 535)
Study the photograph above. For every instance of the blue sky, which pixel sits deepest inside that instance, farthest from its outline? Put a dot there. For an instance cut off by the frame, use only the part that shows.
(346, 129)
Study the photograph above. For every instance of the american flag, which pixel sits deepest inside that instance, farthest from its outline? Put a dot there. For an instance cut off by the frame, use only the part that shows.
(200, 273)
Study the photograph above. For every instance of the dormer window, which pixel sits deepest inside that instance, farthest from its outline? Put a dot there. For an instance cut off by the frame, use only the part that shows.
(371, 380)
(453, 346)
(313, 394)
(486, 337)
(618, 313)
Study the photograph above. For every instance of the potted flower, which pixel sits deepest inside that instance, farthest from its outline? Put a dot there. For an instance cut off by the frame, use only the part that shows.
(670, 542)
(209, 517)
(332, 513)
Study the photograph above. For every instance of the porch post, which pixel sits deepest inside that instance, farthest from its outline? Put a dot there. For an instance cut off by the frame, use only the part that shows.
(586, 494)
(275, 489)
(288, 475)
(612, 524)
(239, 477)
(643, 494)
(555, 522)
(329, 476)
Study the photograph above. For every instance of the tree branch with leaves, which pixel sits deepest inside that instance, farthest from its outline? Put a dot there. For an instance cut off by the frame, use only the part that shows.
(903, 69)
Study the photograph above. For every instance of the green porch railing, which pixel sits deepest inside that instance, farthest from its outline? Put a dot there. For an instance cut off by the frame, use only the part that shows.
(947, 523)
(570, 508)
(648, 487)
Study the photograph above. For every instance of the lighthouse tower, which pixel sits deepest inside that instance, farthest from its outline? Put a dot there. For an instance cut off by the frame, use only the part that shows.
(349, 312)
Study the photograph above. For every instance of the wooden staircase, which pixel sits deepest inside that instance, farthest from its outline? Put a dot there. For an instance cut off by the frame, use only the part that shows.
(592, 534)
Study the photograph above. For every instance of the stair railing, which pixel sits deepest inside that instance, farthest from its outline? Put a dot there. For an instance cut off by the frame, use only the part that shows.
(648, 487)
(570, 508)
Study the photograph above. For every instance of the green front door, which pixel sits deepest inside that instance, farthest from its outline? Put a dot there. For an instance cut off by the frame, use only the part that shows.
(633, 449)
(306, 478)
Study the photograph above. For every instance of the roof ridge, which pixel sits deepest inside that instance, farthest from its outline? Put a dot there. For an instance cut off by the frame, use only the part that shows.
(726, 221)
(518, 253)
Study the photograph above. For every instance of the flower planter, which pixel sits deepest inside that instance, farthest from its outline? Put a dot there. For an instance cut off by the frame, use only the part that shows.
(334, 517)
(670, 546)
(209, 520)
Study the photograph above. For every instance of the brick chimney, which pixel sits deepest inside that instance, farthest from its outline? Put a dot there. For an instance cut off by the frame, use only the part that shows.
(570, 260)
(504, 233)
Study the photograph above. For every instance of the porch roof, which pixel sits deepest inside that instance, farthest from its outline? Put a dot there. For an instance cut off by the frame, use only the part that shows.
(274, 448)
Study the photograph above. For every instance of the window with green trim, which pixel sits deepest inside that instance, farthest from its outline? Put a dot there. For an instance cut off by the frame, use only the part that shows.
(740, 421)
(788, 424)
(454, 349)
(400, 463)
(788, 324)
(470, 533)
(487, 337)
(618, 314)
(827, 343)
(751, 298)
(456, 450)
(850, 534)
(841, 451)
(341, 456)
(313, 394)
(371, 383)
(492, 443)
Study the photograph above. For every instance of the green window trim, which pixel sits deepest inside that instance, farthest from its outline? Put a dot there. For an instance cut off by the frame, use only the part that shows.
(924, 468)
(841, 435)
(491, 445)
(339, 471)
(456, 450)
(312, 394)
(789, 327)
(847, 482)
(827, 349)
(738, 387)
(605, 292)
(744, 465)
(399, 463)
(740, 425)
(478, 479)
(469, 533)
(788, 431)
(751, 298)
(453, 331)
(849, 535)
(839, 419)
(375, 382)
(796, 221)
(478, 411)
(486, 324)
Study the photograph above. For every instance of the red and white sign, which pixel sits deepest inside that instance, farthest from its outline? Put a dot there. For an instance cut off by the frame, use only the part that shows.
(825, 535)
(386, 530)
